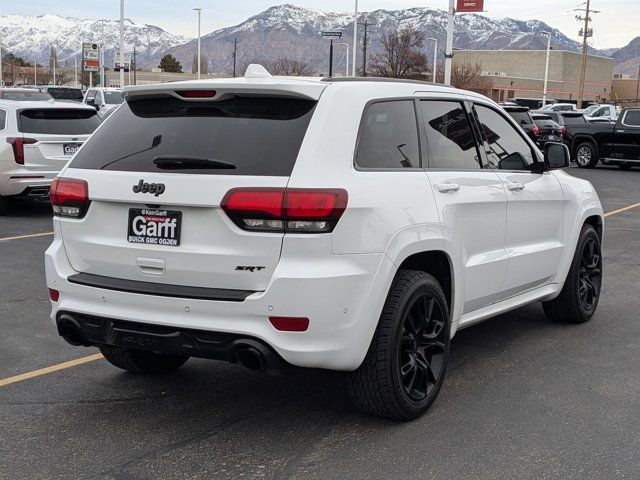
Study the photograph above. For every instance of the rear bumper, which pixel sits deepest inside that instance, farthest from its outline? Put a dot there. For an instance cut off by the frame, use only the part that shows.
(342, 296)
(98, 331)
(26, 183)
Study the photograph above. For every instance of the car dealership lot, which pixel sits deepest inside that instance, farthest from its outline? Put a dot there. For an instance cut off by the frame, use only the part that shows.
(524, 398)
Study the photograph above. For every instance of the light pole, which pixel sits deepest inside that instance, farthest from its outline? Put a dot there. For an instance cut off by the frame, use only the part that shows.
(355, 40)
(449, 52)
(102, 79)
(75, 68)
(35, 73)
(1, 77)
(54, 69)
(199, 10)
(435, 56)
(347, 57)
(546, 69)
(121, 44)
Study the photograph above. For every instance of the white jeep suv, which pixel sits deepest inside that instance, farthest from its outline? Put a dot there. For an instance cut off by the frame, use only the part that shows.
(350, 225)
(37, 139)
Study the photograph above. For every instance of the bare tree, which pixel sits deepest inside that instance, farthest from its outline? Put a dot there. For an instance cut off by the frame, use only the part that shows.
(402, 55)
(289, 67)
(468, 76)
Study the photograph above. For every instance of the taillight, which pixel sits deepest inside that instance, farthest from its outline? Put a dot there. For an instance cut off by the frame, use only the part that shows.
(18, 143)
(292, 210)
(536, 131)
(196, 93)
(564, 131)
(69, 197)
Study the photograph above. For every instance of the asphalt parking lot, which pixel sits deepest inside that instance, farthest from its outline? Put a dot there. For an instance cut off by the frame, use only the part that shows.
(524, 398)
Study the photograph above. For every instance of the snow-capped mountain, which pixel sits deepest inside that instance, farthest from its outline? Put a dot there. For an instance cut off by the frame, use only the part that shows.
(291, 31)
(32, 37)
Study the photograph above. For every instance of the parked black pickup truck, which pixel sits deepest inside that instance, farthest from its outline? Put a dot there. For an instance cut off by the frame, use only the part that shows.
(611, 143)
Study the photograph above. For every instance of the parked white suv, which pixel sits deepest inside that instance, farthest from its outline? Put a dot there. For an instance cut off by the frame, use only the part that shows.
(103, 99)
(347, 225)
(36, 140)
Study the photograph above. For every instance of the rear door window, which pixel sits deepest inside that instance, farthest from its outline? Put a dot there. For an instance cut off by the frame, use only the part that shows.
(58, 121)
(632, 118)
(389, 136)
(450, 139)
(235, 136)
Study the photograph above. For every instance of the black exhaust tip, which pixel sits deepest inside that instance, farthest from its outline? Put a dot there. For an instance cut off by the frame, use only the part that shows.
(70, 330)
(251, 359)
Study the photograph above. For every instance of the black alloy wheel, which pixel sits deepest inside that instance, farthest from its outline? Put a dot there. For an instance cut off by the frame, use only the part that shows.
(578, 300)
(405, 366)
(422, 347)
(590, 274)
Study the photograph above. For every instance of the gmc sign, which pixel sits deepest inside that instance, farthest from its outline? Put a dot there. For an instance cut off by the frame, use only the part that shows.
(470, 6)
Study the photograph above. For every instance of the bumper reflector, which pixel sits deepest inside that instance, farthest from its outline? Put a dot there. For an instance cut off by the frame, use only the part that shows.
(54, 295)
(290, 324)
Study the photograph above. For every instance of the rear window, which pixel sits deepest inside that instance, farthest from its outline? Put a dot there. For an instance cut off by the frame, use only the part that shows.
(58, 121)
(113, 98)
(523, 118)
(74, 94)
(574, 120)
(34, 96)
(256, 135)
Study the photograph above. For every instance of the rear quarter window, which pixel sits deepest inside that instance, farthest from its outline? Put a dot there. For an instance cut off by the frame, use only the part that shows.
(259, 136)
(3, 119)
(574, 120)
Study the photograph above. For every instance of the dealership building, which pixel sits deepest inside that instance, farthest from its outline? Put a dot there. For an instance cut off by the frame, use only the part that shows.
(520, 74)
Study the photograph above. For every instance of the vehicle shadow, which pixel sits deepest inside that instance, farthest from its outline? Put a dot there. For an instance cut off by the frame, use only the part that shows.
(20, 207)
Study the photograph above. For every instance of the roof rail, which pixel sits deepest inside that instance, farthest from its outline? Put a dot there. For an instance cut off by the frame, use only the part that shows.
(378, 79)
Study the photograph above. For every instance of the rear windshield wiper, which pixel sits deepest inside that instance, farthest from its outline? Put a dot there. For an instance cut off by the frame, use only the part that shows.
(184, 162)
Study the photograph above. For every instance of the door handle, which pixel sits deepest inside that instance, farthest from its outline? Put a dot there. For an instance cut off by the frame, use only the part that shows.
(448, 187)
(516, 187)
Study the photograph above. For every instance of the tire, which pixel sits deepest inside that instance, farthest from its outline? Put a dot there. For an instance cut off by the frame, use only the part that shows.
(586, 155)
(4, 205)
(584, 278)
(405, 366)
(141, 361)
(625, 166)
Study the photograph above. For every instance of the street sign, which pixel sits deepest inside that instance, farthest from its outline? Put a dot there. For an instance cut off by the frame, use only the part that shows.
(116, 62)
(91, 65)
(470, 6)
(90, 57)
(331, 35)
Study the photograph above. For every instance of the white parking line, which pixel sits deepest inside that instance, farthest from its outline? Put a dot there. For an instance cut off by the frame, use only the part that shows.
(20, 237)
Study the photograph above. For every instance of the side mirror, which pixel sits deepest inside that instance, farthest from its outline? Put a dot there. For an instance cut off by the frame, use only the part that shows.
(556, 155)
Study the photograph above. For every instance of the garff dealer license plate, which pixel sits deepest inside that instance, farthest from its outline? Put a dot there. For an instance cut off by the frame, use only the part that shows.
(154, 227)
(70, 148)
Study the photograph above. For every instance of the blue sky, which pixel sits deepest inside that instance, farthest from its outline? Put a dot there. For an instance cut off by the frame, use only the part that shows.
(614, 27)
